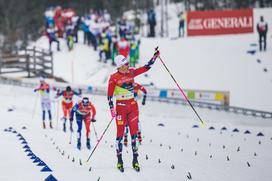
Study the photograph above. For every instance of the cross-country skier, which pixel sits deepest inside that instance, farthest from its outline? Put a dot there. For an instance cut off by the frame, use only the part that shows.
(44, 90)
(67, 104)
(126, 112)
(137, 88)
(85, 111)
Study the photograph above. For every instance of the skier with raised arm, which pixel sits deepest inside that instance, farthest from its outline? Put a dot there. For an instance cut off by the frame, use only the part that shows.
(126, 111)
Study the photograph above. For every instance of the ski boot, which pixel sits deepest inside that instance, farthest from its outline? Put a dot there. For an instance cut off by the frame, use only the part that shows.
(139, 138)
(78, 144)
(44, 125)
(120, 165)
(88, 144)
(64, 127)
(135, 163)
(126, 141)
(50, 125)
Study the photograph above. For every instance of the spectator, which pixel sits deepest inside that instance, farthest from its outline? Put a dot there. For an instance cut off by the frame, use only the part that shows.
(152, 22)
(182, 19)
(123, 27)
(86, 30)
(104, 47)
(123, 48)
(49, 13)
(76, 23)
(51, 34)
(262, 29)
(69, 30)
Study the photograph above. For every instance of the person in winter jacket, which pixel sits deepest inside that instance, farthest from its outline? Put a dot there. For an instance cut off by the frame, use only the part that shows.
(84, 111)
(262, 29)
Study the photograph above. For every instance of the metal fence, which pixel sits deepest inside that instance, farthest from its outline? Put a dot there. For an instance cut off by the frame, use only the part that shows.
(103, 91)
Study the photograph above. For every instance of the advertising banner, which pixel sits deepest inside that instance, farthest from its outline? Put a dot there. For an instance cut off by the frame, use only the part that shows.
(220, 22)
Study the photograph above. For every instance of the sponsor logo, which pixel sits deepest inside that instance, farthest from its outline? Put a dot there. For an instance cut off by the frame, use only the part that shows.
(120, 122)
(219, 23)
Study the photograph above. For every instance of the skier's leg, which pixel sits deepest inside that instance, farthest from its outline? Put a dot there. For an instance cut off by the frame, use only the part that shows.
(133, 127)
(43, 113)
(50, 118)
(79, 128)
(139, 134)
(121, 120)
(126, 135)
(49, 115)
(87, 125)
(69, 108)
(43, 118)
(64, 109)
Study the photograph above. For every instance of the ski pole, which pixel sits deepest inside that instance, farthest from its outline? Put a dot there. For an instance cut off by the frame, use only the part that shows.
(95, 132)
(57, 127)
(180, 89)
(100, 139)
(71, 135)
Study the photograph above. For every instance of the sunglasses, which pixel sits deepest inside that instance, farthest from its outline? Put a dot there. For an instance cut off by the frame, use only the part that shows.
(85, 101)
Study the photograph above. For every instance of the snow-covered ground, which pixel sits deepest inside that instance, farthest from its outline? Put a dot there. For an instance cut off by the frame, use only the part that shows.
(207, 154)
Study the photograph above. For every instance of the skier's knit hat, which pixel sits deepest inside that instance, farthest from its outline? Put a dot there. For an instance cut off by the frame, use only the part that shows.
(42, 79)
(120, 60)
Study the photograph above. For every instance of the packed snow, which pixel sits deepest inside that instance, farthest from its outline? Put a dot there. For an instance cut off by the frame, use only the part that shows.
(168, 152)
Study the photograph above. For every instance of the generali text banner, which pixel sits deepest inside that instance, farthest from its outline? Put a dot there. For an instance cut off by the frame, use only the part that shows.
(219, 22)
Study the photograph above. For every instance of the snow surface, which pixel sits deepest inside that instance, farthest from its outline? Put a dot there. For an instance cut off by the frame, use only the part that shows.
(177, 143)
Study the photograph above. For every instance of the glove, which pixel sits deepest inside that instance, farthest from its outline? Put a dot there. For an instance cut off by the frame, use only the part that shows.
(153, 59)
(156, 54)
(113, 112)
(143, 102)
(93, 120)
